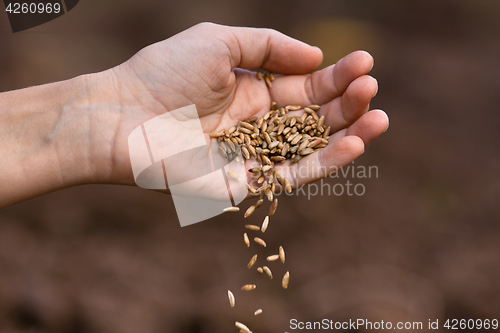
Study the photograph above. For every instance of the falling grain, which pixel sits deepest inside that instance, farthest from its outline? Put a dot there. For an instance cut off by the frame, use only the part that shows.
(259, 203)
(279, 177)
(271, 139)
(259, 241)
(286, 280)
(268, 272)
(231, 209)
(252, 261)
(252, 227)
(249, 211)
(265, 224)
(231, 298)
(274, 257)
(282, 254)
(248, 287)
(273, 207)
(288, 186)
(269, 194)
(242, 327)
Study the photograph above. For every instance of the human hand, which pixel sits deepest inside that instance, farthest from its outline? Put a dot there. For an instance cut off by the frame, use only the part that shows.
(208, 65)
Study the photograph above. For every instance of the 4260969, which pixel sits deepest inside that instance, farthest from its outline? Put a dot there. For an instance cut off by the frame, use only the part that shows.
(461, 324)
(33, 8)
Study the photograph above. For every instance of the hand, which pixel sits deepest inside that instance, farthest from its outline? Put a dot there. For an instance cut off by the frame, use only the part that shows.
(207, 65)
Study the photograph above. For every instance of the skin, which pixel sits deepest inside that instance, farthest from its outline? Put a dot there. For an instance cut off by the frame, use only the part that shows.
(75, 132)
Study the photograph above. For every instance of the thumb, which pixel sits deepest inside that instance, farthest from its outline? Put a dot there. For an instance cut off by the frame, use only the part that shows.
(253, 48)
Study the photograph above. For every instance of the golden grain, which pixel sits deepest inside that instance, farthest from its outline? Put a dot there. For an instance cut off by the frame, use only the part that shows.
(296, 159)
(296, 140)
(306, 151)
(242, 327)
(252, 261)
(321, 121)
(269, 194)
(252, 227)
(268, 272)
(249, 211)
(248, 287)
(327, 132)
(259, 203)
(265, 224)
(274, 257)
(217, 134)
(234, 176)
(288, 186)
(273, 208)
(268, 81)
(260, 241)
(293, 107)
(303, 145)
(232, 301)
(282, 254)
(286, 280)
(245, 153)
(266, 168)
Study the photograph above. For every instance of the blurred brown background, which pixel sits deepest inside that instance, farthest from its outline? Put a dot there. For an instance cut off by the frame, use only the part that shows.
(422, 243)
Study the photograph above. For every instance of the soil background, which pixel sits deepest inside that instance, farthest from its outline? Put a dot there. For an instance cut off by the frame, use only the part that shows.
(422, 243)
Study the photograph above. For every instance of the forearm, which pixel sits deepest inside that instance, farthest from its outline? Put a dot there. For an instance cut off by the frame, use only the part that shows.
(55, 136)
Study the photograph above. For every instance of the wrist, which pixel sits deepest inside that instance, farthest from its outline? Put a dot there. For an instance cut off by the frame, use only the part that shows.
(100, 110)
(80, 113)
